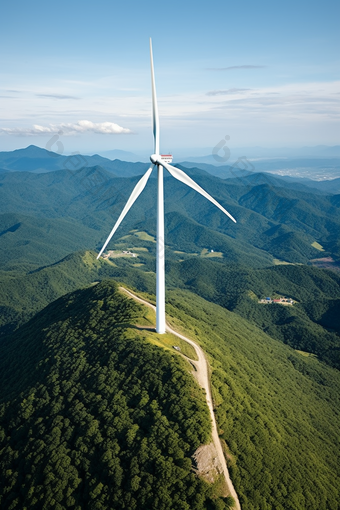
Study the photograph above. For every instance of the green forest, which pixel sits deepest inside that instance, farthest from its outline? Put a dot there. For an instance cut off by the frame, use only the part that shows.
(277, 410)
(312, 324)
(93, 416)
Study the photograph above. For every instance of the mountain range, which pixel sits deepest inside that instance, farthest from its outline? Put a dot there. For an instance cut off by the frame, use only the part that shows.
(37, 160)
(275, 217)
(97, 410)
(310, 168)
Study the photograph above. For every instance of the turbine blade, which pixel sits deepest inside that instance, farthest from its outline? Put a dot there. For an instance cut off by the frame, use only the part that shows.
(137, 190)
(154, 106)
(183, 177)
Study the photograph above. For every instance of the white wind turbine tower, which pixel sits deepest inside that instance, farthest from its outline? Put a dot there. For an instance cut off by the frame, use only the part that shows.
(159, 161)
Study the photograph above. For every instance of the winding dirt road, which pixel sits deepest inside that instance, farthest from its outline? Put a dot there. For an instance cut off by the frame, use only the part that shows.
(202, 376)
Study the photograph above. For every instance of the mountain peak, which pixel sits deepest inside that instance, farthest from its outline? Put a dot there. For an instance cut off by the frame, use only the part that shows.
(33, 151)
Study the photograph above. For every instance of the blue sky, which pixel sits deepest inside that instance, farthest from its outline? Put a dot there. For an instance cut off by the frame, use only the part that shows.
(264, 73)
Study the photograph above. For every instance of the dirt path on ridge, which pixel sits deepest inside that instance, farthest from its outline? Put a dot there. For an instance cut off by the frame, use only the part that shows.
(202, 376)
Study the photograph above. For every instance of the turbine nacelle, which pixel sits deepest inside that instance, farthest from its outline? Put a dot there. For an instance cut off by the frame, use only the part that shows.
(157, 159)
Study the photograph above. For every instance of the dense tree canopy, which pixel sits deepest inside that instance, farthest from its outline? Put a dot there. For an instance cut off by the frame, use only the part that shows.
(93, 416)
(311, 325)
(277, 410)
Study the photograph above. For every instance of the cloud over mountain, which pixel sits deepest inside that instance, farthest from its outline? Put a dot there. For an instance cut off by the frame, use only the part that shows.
(82, 126)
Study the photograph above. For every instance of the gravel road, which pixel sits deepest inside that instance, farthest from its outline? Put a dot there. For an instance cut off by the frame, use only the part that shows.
(202, 376)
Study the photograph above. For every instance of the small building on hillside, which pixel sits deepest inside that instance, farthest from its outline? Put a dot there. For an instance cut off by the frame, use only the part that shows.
(281, 301)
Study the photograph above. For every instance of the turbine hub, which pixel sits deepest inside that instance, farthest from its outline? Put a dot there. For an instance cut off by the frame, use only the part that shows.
(154, 158)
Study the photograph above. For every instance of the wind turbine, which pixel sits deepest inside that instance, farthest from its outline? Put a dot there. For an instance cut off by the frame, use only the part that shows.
(159, 161)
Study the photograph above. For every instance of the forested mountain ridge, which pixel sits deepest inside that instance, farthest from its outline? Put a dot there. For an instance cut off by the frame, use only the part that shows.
(311, 324)
(24, 294)
(100, 418)
(93, 416)
(38, 160)
(285, 223)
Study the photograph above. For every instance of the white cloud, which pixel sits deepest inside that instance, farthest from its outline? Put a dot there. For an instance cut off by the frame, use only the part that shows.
(235, 67)
(307, 102)
(57, 96)
(82, 126)
(304, 113)
(224, 92)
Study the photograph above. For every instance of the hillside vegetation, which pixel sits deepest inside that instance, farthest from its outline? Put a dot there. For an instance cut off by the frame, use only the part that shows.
(22, 295)
(28, 243)
(101, 418)
(311, 325)
(93, 416)
(277, 410)
(97, 411)
(272, 220)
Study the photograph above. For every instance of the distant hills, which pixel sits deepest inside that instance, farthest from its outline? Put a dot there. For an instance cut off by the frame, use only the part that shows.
(122, 155)
(279, 222)
(308, 171)
(124, 164)
(275, 219)
(28, 242)
(37, 160)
